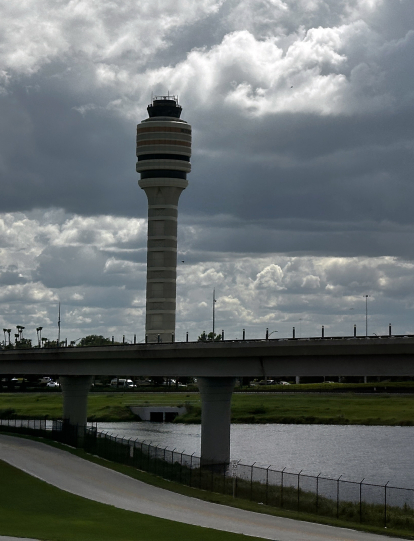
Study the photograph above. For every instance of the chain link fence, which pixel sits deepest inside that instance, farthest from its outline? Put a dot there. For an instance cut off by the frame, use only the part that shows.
(378, 505)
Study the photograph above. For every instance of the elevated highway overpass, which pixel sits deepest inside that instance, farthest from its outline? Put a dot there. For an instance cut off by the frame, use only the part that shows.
(378, 356)
(216, 365)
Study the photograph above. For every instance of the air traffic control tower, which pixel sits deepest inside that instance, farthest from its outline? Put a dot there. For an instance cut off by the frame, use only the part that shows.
(163, 151)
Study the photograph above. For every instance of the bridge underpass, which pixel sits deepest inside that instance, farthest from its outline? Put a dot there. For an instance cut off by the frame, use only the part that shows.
(216, 365)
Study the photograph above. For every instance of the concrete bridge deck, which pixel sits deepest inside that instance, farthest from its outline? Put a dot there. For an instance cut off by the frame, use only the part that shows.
(216, 366)
(374, 356)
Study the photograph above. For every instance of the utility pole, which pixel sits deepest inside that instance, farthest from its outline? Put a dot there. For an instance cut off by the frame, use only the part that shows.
(58, 344)
(214, 312)
(366, 314)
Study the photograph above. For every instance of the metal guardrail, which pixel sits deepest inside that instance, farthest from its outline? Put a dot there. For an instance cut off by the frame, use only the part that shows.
(209, 342)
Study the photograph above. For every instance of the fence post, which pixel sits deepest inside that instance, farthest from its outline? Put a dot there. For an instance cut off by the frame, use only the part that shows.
(129, 450)
(191, 468)
(149, 452)
(251, 481)
(360, 500)
(385, 504)
(281, 492)
(155, 460)
(267, 483)
(172, 462)
(141, 453)
(299, 488)
(317, 492)
(337, 496)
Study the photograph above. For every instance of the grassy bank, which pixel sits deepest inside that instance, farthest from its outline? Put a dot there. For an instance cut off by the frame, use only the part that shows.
(31, 508)
(382, 409)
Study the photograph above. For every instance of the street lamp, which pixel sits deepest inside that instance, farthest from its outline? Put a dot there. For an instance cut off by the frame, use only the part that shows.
(214, 309)
(269, 333)
(39, 334)
(366, 314)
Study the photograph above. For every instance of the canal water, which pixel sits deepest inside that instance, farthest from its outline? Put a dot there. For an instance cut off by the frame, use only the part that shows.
(377, 453)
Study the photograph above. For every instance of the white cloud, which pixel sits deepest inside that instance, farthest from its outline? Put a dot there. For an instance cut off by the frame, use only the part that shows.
(97, 32)
(278, 291)
(299, 200)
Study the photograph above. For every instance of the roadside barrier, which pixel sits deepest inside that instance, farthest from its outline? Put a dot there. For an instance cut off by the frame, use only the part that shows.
(356, 502)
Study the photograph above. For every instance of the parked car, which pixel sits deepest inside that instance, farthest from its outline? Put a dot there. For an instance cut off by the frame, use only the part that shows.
(53, 384)
(284, 383)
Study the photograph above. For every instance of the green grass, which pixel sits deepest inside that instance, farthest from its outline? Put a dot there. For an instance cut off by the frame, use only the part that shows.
(31, 512)
(324, 409)
(32, 508)
(346, 408)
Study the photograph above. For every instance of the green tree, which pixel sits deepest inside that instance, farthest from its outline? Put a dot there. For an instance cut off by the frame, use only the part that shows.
(24, 343)
(210, 337)
(94, 340)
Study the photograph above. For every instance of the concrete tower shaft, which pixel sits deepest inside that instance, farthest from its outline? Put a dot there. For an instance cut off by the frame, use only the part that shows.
(163, 152)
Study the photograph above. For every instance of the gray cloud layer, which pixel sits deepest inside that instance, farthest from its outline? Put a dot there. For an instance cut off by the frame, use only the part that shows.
(302, 114)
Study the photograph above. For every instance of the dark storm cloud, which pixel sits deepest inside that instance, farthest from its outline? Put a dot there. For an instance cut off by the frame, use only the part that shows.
(301, 190)
(10, 276)
(61, 266)
(54, 156)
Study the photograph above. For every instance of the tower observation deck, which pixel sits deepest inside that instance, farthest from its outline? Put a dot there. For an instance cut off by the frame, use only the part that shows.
(163, 152)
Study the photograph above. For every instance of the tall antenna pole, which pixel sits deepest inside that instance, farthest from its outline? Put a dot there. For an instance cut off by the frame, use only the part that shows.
(214, 305)
(59, 327)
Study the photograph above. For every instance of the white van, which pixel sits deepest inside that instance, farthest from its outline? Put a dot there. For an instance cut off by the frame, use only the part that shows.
(122, 382)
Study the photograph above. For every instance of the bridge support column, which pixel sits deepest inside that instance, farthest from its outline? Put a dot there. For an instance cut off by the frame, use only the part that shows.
(215, 419)
(75, 399)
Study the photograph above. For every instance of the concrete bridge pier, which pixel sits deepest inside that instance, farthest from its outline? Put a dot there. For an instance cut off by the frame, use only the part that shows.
(75, 391)
(215, 419)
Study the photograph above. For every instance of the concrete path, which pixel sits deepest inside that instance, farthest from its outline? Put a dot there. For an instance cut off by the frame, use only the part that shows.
(78, 476)
(6, 538)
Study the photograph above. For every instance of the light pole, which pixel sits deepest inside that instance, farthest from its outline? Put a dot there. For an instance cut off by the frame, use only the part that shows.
(366, 314)
(58, 340)
(268, 334)
(39, 334)
(214, 309)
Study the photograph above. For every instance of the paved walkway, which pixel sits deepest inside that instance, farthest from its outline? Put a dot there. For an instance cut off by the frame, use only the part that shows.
(78, 476)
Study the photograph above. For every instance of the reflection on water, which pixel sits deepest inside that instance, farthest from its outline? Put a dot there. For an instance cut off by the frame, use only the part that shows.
(378, 453)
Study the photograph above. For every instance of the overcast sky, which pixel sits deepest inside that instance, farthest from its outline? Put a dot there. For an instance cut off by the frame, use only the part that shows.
(300, 200)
